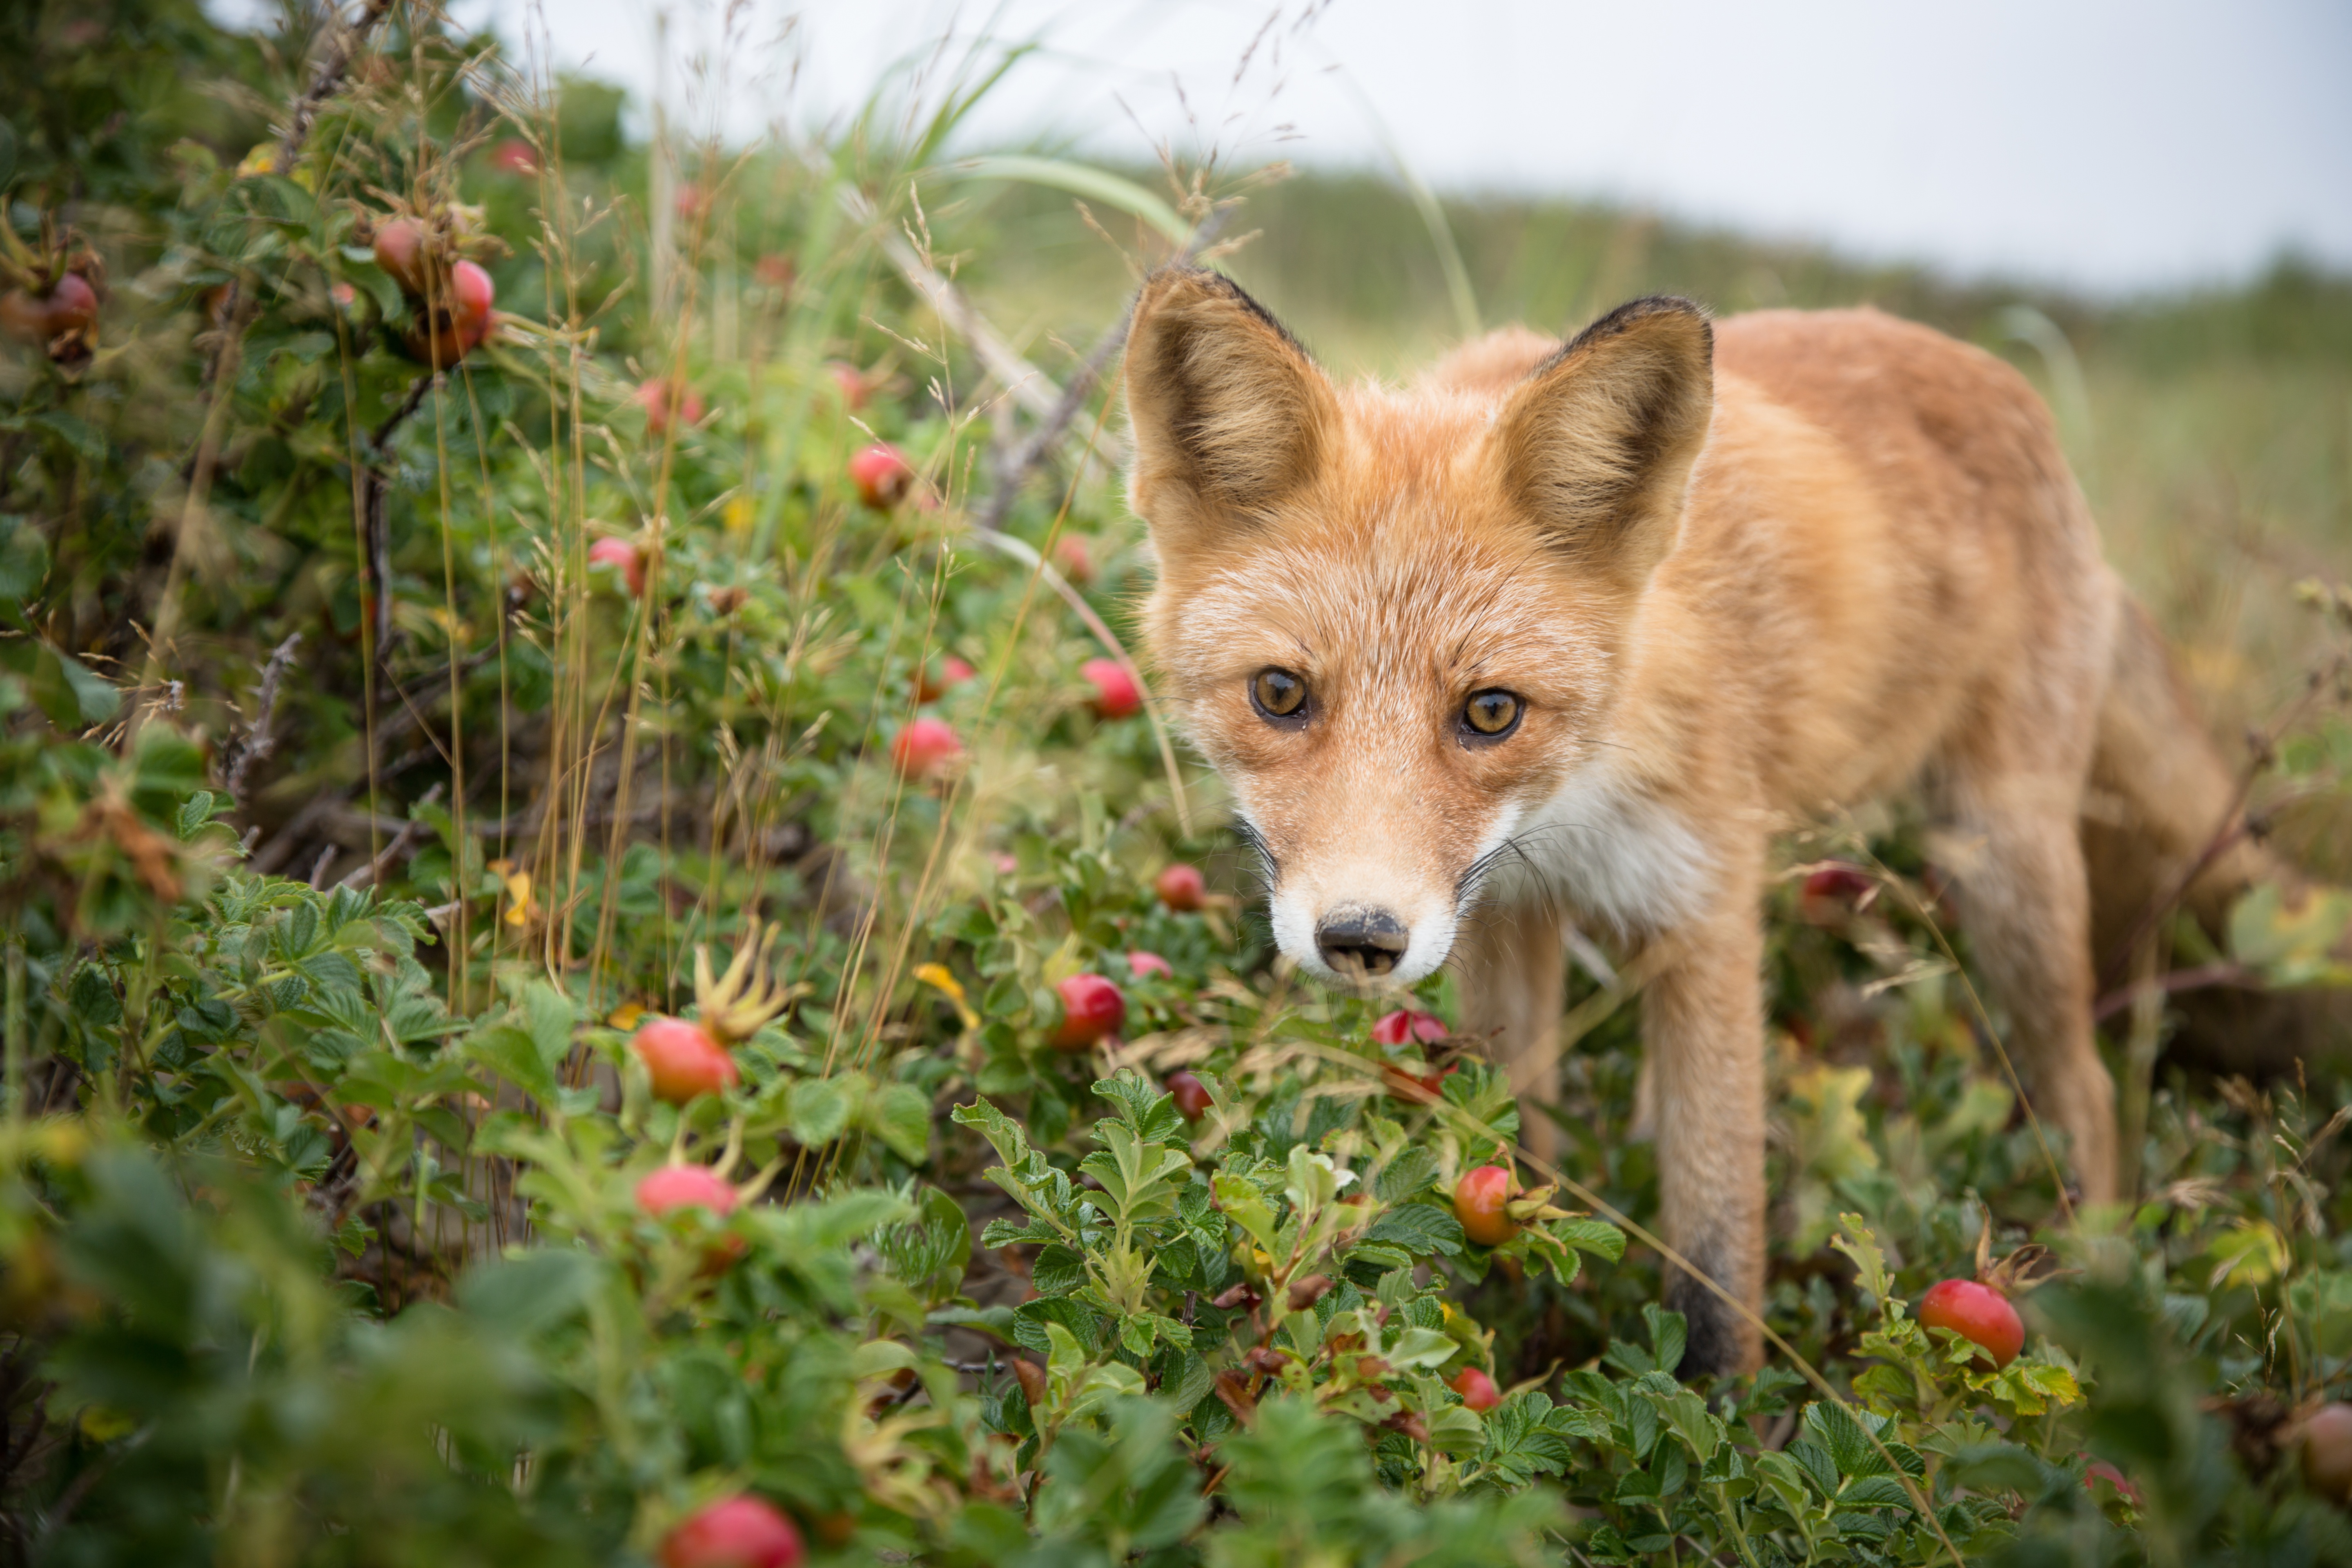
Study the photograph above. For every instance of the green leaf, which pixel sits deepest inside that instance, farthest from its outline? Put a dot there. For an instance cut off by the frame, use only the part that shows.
(1421, 1229)
(819, 1111)
(78, 435)
(23, 558)
(1083, 180)
(900, 1115)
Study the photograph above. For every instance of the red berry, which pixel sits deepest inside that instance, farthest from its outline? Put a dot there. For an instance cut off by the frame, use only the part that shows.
(1478, 1200)
(675, 1187)
(1831, 893)
(514, 156)
(665, 398)
(623, 556)
(1477, 1389)
(2326, 1439)
(1076, 562)
(72, 304)
(1181, 886)
(1117, 695)
(400, 251)
(1404, 1025)
(736, 1532)
(850, 381)
(1091, 1007)
(1976, 1312)
(470, 296)
(1192, 1095)
(882, 476)
(954, 672)
(924, 746)
(25, 318)
(683, 1061)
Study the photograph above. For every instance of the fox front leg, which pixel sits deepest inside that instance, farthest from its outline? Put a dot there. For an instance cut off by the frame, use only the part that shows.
(1703, 1033)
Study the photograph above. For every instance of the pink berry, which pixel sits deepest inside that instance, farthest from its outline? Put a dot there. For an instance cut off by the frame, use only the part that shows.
(1144, 964)
(1477, 1390)
(1116, 693)
(1091, 1007)
(1478, 1200)
(882, 476)
(924, 746)
(683, 1061)
(1976, 1312)
(675, 1187)
(1181, 886)
(623, 556)
(668, 398)
(735, 1532)
(1192, 1095)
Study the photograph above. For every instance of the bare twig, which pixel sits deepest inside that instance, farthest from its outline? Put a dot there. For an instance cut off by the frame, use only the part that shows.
(1056, 420)
(257, 741)
(397, 850)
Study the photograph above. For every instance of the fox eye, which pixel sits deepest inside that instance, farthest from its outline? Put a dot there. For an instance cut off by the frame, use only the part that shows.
(1278, 695)
(1491, 714)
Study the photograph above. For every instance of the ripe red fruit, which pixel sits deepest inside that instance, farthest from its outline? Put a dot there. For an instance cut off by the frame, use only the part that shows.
(1181, 886)
(1091, 1007)
(1831, 893)
(399, 251)
(1478, 1200)
(514, 156)
(1116, 693)
(735, 1532)
(882, 476)
(623, 555)
(1076, 562)
(2326, 1439)
(1477, 1389)
(1142, 965)
(954, 672)
(1404, 1026)
(1192, 1095)
(471, 292)
(70, 305)
(675, 1187)
(924, 746)
(683, 1061)
(1975, 1312)
(666, 398)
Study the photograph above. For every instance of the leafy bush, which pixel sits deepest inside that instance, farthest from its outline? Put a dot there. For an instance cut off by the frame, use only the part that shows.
(384, 742)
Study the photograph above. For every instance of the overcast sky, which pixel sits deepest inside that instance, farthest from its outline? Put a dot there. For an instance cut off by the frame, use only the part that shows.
(2093, 142)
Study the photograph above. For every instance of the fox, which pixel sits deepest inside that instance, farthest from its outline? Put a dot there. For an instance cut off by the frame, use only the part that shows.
(1568, 631)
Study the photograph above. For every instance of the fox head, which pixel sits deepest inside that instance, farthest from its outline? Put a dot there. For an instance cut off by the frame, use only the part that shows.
(1397, 622)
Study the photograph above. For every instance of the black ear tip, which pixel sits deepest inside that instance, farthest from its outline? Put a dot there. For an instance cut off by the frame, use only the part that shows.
(1634, 312)
(1200, 284)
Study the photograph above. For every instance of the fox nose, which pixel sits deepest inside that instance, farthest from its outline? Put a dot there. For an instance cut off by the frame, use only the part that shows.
(1360, 943)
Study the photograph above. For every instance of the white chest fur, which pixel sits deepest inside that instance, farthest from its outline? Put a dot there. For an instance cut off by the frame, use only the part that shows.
(1613, 856)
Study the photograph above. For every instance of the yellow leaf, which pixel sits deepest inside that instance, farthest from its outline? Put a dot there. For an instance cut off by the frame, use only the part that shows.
(626, 1016)
(2250, 1252)
(518, 904)
(103, 1424)
(936, 976)
(736, 515)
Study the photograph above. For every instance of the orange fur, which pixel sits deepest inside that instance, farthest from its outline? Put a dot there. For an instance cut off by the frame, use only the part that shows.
(1732, 577)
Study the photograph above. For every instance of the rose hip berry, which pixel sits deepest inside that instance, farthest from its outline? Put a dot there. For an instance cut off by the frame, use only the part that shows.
(882, 476)
(675, 1187)
(1143, 965)
(1192, 1095)
(1477, 1390)
(668, 398)
(1116, 693)
(1406, 1027)
(924, 746)
(2326, 1439)
(471, 293)
(683, 1061)
(625, 557)
(735, 1532)
(1181, 887)
(1977, 1313)
(1091, 1007)
(1478, 1200)
(399, 251)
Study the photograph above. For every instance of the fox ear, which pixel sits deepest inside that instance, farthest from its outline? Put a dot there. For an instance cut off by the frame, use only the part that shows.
(1596, 445)
(1230, 414)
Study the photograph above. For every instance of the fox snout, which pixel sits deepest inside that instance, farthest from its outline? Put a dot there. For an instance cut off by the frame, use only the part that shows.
(1361, 943)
